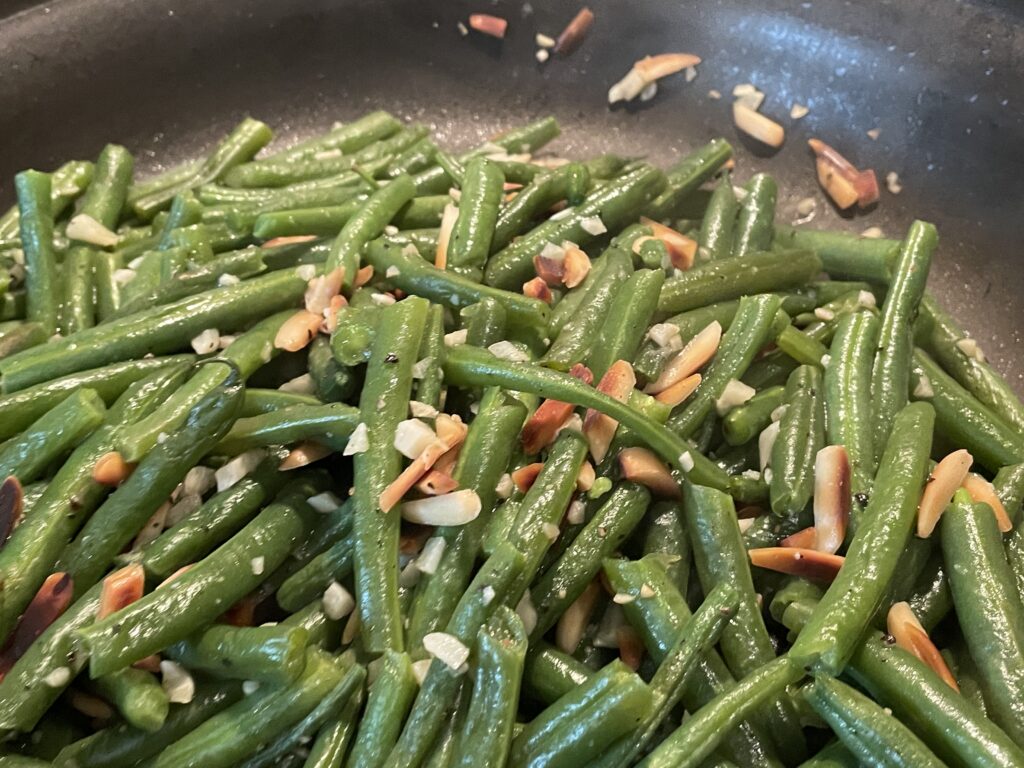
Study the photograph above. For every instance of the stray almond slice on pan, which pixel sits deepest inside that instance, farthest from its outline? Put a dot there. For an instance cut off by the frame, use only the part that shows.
(948, 475)
(809, 563)
(485, 23)
(843, 182)
(758, 126)
(574, 32)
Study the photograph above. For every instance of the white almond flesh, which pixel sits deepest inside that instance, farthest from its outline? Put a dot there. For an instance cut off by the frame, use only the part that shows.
(831, 498)
(457, 508)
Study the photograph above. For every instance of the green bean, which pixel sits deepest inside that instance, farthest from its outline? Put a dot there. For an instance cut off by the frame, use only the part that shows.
(953, 727)
(526, 138)
(666, 535)
(717, 229)
(721, 559)
(566, 307)
(745, 422)
(550, 674)
(310, 581)
(22, 761)
(368, 224)
(543, 192)
(274, 654)
(578, 727)
(416, 158)
(162, 330)
(353, 339)
(52, 436)
(35, 216)
(843, 256)
(847, 394)
(687, 175)
(873, 557)
(470, 242)
(801, 435)
(486, 734)
(484, 457)
(123, 746)
(803, 348)
(1009, 487)
(961, 418)
(890, 374)
(13, 305)
(259, 401)
(579, 334)
(351, 137)
(566, 580)
(626, 323)
(698, 736)
(332, 742)
(754, 227)
(25, 335)
(616, 204)
(390, 698)
(332, 382)
(137, 696)
(869, 732)
(330, 424)
(247, 138)
(123, 515)
(67, 183)
(243, 728)
(466, 367)
(748, 333)
(988, 607)
(485, 322)
(185, 211)
(384, 402)
(527, 317)
(177, 609)
(732, 278)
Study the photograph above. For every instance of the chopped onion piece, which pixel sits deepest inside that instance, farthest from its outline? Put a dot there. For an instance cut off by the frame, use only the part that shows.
(206, 342)
(177, 682)
(527, 612)
(302, 385)
(412, 437)
(507, 350)
(892, 182)
(238, 467)
(324, 502)
(337, 601)
(736, 393)
(431, 555)
(446, 648)
(665, 335)
(456, 338)
(422, 410)
(358, 441)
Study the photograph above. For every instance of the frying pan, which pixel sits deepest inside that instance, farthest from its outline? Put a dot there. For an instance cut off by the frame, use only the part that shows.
(942, 82)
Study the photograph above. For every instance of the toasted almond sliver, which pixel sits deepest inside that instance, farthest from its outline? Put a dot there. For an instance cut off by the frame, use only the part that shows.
(449, 434)
(631, 646)
(691, 358)
(444, 235)
(577, 265)
(526, 476)
(841, 190)
(548, 268)
(831, 498)
(52, 599)
(948, 475)
(456, 508)
(537, 288)
(298, 331)
(653, 68)
(540, 429)
(641, 466)
(804, 539)
(322, 289)
(756, 125)
(121, 588)
(303, 454)
(288, 240)
(844, 183)
(485, 23)
(363, 276)
(573, 623)
(809, 563)
(12, 506)
(981, 490)
(599, 429)
(676, 393)
(908, 633)
(586, 477)
(574, 32)
(436, 483)
(111, 469)
(682, 250)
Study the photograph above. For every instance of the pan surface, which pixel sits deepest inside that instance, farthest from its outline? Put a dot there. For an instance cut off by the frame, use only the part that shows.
(942, 82)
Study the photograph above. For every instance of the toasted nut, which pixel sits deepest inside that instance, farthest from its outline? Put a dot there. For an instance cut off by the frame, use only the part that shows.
(574, 32)
(981, 490)
(599, 428)
(809, 563)
(549, 265)
(304, 454)
(641, 466)
(908, 633)
(290, 240)
(586, 477)
(576, 264)
(526, 476)
(242, 613)
(676, 393)
(541, 428)
(494, 26)
(149, 663)
(831, 498)
(444, 235)
(363, 276)
(803, 539)
(537, 288)
(298, 331)
(456, 508)
(322, 289)
(758, 126)
(12, 505)
(111, 469)
(691, 358)
(841, 179)
(574, 621)
(449, 434)
(436, 483)
(948, 475)
(631, 647)
(52, 599)
(840, 189)
(653, 68)
(121, 588)
(682, 250)
(330, 323)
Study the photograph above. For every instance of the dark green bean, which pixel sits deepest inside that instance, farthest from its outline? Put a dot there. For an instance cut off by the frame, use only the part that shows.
(273, 654)
(42, 280)
(843, 255)
(717, 229)
(330, 424)
(626, 323)
(137, 696)
(530, 202)
(745, 422)
(389, 700)
(754, 228)
(470, 242)
(687, 175)
(801, 435)
(332, 742)
(67, 183)
(550, 674)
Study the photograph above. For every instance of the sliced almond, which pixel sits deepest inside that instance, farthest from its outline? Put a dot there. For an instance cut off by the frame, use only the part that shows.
(242, 613)
(303, 454)
(631, 646)
(526, 476)
(640, 466)
(444, 235)
(446, 464)
(298, 331)
(52, 599)
(908, 633)
(456, 508)
(586, 477)
(844, 183)
(485, 23)
(12, 506)
(149, 663)
(577, 265)
(676, 393)
(111, 469)
(330, 323)
(808, 563)
(682, 250)
(363, 276)
(804, 539)
(549, 264)
(449, 434)
(537, 288)
(948, 475)
(599, 428)
(289, 240)
(574, 32)
(322, 289)
(573, 623)
(121, 588)
(694, 356)
(831, 498)
(436, 483)
(981, 490)
(757, 126)
(653, 68)
(540, 429)
(840, 189)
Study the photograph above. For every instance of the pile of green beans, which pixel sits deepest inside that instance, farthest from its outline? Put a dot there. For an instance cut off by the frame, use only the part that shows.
(363, 454)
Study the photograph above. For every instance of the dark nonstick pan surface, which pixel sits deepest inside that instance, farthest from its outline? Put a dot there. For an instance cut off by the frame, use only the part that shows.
(942, 81)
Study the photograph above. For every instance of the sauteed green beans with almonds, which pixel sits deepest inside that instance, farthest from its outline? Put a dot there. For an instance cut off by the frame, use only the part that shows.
(363, 453)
